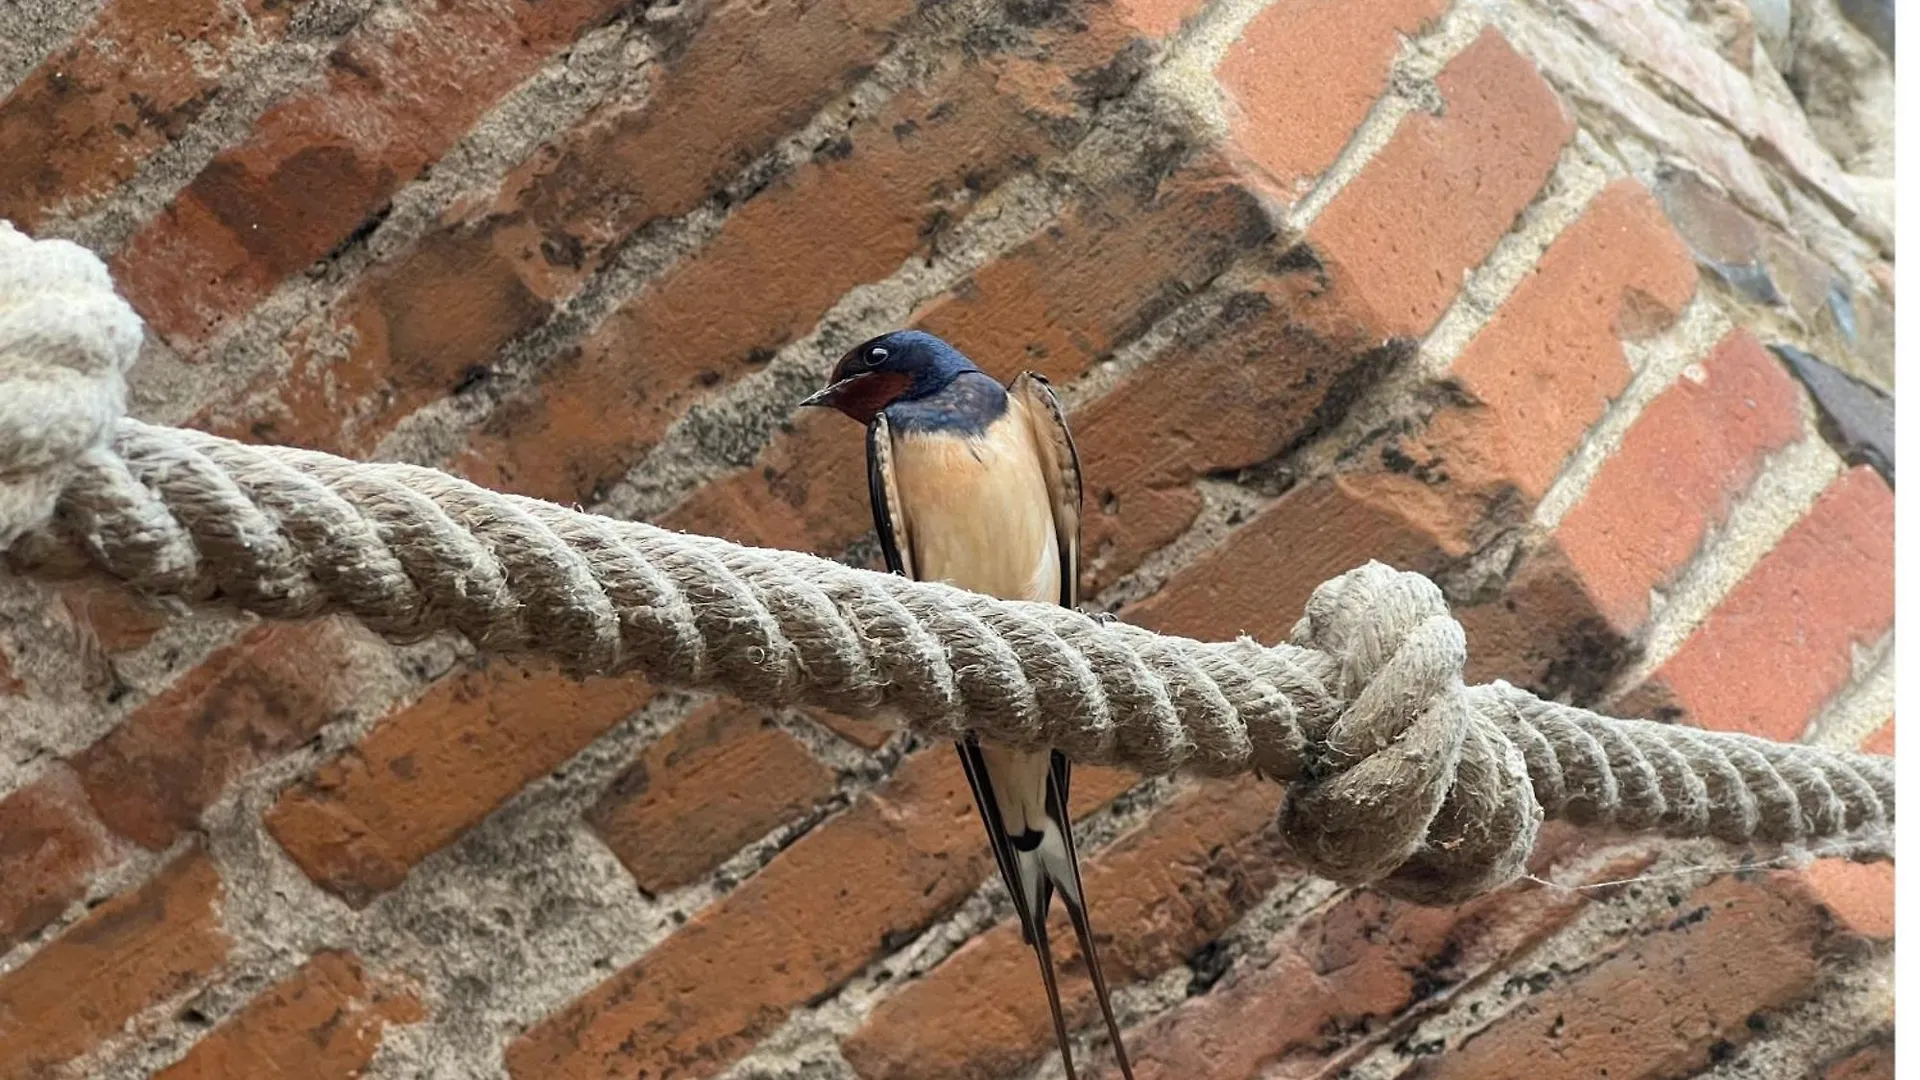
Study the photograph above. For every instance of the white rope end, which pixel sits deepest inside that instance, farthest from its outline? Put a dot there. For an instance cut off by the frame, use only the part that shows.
(67, 340)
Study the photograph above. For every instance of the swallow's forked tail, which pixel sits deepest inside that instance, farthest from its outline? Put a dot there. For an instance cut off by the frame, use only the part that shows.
(1038, 862)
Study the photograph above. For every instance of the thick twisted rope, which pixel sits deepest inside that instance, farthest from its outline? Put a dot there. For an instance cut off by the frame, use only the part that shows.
(1397, 773)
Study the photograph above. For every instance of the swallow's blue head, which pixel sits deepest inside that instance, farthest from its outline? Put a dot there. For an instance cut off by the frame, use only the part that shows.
(905, 365)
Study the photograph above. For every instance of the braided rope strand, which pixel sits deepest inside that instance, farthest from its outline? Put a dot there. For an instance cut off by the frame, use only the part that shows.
(1398, 774)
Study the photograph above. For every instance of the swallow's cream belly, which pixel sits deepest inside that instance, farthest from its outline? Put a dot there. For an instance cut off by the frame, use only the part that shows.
(979, 515)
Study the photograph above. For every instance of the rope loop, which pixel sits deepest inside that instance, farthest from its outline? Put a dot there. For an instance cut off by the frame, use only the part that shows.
(66, 342)
(1407, 788)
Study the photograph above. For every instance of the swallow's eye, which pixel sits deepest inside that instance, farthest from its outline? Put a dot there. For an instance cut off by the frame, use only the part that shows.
(876, 356)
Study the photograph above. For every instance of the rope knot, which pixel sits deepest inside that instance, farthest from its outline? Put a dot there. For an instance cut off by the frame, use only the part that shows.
(66, 341)
(1407, 788)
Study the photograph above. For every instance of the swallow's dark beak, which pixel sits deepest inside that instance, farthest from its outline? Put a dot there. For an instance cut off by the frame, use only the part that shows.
(828, 395)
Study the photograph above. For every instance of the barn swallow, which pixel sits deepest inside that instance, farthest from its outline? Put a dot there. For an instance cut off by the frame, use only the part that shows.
(978, 485)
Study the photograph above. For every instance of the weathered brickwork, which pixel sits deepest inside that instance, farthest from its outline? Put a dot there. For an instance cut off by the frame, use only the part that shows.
(1488, 291)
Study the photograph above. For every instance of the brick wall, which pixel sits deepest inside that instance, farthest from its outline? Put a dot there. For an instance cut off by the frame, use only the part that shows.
(1483, 290)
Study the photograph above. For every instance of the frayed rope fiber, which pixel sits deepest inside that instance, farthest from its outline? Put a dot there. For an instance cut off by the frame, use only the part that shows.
(1397, 773)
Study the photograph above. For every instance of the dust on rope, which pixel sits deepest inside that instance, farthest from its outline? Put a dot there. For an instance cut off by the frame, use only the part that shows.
(1397, 773)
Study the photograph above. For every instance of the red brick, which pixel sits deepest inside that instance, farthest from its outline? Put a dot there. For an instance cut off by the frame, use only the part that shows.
(807, 491)
(1057, 303)
(724, 777)
(1437, 491)
(1433, 202)
(702, 998)
(1859, 895)
(631, 164)
(1618, 273)
(1282, 361)
(50, 844)
(1659, 1008)
(1693, 450)
(131, 952)
(1543, 632)
(1308, 340)
(1091, 281)
(1871, 1063)
(418, 327)
(866, 734)
(1157, 18)
(1782, 641)
(1305, 73)
(1880, 742)
(1340, 976)
(435, 319)
(1064, 60)
(120, 619)
(889, 189)
(423, 323)
(435, 768)
(126, 85)
(1882, 274)
(1258, 579)
(1545, 366)
(247, 702)
(323, 1022)
(1157, 894)
(851, 216)
(1652, 700)
(1094, 786)
(318, 165)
